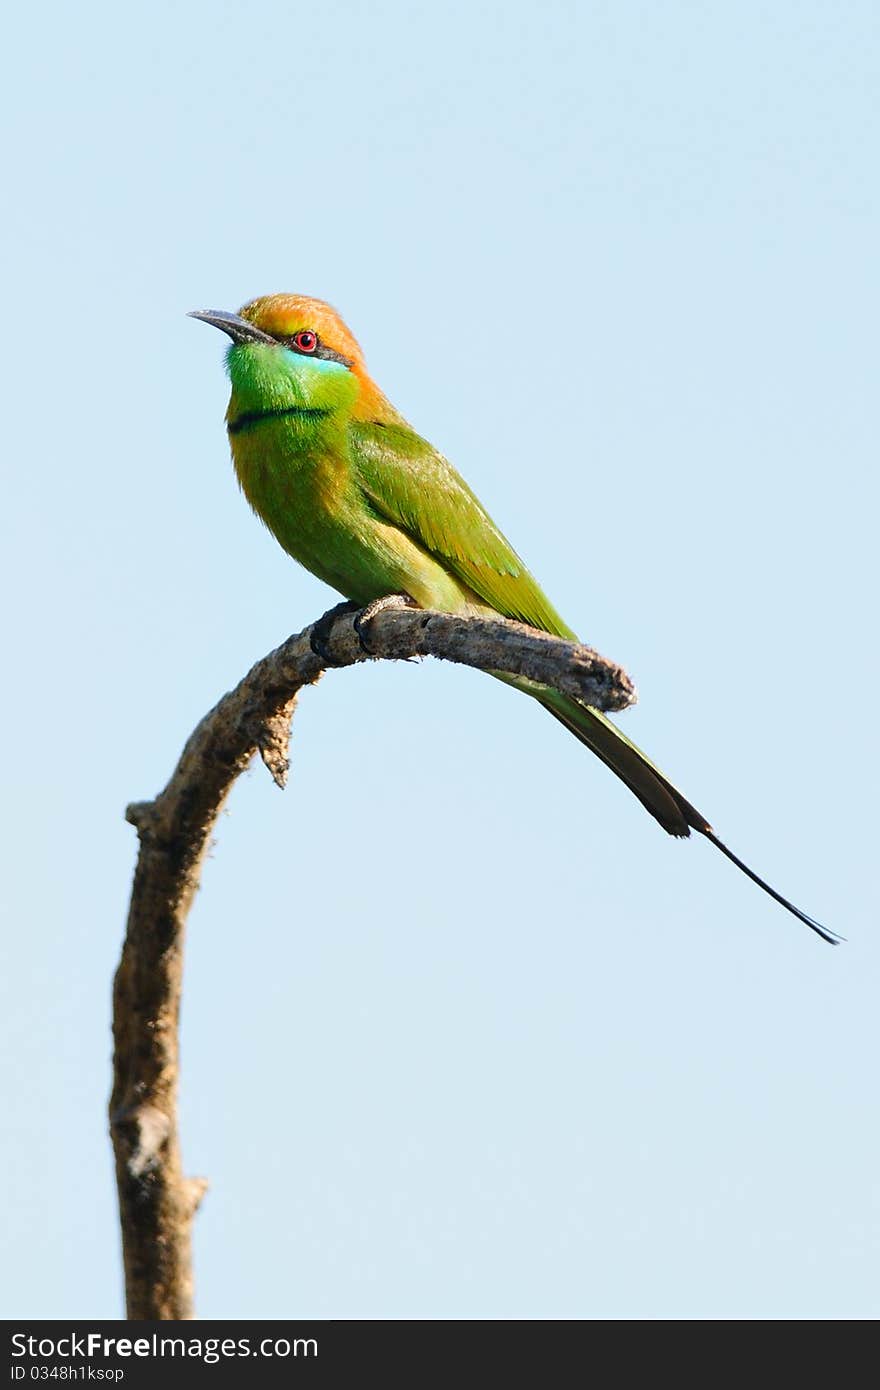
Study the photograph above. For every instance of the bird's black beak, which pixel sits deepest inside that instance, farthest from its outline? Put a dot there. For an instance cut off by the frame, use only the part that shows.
(239, 330)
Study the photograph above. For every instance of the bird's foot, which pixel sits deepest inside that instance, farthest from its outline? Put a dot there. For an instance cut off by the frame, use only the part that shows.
(320, 633)
(379, 605)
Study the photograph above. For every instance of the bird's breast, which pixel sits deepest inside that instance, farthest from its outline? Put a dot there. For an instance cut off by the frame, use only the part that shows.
(293, 483)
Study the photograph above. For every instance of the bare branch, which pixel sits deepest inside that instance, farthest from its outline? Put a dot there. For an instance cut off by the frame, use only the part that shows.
(157, 1202)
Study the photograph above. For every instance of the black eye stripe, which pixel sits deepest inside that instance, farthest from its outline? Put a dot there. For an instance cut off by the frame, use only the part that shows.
(319, 350)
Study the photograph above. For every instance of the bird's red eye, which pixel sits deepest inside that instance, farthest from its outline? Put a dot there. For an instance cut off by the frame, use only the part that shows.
(306, 340)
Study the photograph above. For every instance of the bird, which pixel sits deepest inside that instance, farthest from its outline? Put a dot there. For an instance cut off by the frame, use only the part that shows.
(357, 496)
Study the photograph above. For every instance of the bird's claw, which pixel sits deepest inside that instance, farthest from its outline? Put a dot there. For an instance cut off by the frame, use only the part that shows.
(379, 605)
(319, 636)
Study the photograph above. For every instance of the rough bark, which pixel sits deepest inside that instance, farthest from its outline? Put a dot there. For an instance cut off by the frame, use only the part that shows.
(157, 1203)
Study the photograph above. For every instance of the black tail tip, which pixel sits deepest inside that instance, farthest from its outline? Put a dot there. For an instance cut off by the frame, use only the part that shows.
(832, 937)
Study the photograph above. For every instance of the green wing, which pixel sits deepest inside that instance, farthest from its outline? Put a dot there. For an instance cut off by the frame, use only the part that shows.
(409, 484)
(414, 487)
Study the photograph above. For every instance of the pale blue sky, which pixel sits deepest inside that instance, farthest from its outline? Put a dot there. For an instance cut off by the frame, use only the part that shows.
(464, 1033)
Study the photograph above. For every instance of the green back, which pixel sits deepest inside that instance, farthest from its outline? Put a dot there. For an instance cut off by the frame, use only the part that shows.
(411, 485)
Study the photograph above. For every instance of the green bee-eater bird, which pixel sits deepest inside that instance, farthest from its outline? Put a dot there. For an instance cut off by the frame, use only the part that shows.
(354, 494)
